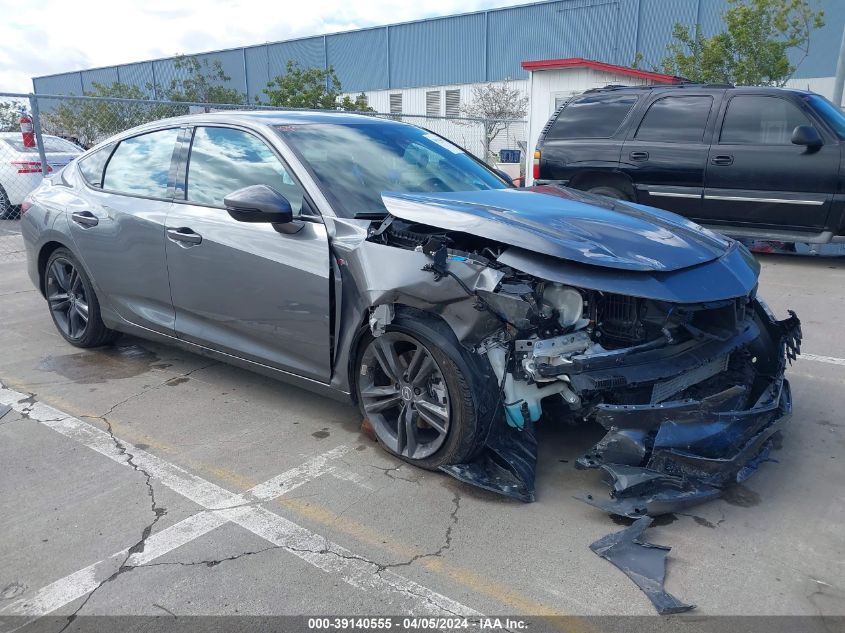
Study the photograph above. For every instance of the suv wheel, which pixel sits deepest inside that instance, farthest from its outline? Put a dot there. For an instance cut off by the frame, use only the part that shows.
(610, 192)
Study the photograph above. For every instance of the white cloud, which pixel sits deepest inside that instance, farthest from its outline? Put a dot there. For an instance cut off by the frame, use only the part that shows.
(52, 36)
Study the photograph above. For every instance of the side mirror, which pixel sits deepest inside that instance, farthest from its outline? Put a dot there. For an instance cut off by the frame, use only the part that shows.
(807, 135)
(258, 203)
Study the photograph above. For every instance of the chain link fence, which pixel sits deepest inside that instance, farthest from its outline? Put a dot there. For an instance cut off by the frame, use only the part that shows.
(39, 134)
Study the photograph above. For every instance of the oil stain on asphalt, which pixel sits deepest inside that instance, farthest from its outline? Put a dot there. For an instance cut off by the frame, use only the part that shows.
(120, 361)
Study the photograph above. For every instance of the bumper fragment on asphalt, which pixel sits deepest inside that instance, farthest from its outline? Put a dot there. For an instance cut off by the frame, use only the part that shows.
(642, 562)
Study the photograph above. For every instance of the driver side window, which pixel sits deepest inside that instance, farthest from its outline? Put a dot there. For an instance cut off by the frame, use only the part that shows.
(224, 160)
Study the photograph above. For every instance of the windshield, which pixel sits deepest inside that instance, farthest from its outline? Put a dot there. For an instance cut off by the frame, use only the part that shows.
(832, 115)
(355, 162)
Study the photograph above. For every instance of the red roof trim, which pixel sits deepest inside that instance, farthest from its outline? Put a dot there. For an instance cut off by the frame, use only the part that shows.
(579, 62)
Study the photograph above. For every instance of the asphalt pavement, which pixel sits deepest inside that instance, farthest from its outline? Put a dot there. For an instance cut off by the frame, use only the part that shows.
(141, 479)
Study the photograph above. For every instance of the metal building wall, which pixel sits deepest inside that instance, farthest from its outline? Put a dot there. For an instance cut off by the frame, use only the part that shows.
(468, 48)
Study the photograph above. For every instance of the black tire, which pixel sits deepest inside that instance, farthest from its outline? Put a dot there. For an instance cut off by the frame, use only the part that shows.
(610, 192)
(68, 290)
(7, 211)
(467, 422)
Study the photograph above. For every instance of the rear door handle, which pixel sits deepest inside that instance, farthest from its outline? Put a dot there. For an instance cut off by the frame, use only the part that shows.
(723, 159)
(85, 219)
(638, 155)
(184, 236)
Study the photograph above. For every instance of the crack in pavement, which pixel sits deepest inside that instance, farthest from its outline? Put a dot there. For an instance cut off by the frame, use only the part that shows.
(388, 471)
(158, 513)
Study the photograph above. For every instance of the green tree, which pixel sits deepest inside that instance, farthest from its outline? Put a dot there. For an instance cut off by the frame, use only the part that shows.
(93, 121)
(10, 115)
(754, 48)
(199, 81)
(304, 88)
(359, 104)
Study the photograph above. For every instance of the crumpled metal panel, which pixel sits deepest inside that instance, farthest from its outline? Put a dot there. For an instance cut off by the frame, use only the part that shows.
(642, 562)
(567, 224)
(507, 464)
(666, 457)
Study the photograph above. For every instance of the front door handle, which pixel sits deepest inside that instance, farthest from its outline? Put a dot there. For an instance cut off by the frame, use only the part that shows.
(84, 219)
(184, 236)
(723, 159)
(638, 155)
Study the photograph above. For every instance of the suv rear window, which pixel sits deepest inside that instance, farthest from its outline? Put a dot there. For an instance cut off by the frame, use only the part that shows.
(676, 120)
(592, 116)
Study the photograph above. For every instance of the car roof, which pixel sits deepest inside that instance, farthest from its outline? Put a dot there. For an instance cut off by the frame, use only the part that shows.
(697, 86)
(287, 117)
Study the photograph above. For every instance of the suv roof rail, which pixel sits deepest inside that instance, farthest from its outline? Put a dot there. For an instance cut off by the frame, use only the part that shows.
(686, 84)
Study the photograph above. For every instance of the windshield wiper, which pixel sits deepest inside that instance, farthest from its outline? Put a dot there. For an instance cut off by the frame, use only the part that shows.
(369, 215)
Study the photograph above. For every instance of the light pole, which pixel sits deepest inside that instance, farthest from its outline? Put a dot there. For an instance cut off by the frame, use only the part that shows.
(840, 73)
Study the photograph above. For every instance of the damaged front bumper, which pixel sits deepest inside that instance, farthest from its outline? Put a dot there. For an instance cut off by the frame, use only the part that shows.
(664, 457)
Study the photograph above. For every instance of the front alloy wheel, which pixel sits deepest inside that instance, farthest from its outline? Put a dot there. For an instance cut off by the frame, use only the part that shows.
(404, 395)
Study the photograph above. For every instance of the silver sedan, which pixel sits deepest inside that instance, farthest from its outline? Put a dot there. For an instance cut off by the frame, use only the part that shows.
(375, 261)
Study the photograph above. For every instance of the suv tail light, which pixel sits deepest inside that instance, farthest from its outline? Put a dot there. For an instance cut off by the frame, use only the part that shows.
(25, 205)
(536, 169)
(29, 167)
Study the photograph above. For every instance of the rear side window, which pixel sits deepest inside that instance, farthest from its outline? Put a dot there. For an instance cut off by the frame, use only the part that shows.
(761, 120)
(676, 120)
(140, 165)
(91, 167)
(593, 116)
(224, 160)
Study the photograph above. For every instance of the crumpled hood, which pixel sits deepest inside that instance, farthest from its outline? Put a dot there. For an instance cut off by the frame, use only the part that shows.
(568, 224)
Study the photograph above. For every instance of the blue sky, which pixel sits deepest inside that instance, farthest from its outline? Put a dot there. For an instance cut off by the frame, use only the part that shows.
(51, 36)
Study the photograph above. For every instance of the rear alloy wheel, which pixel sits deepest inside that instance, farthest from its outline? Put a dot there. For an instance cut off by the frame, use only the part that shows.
(610, 192)
(73, 303)
(411, 388)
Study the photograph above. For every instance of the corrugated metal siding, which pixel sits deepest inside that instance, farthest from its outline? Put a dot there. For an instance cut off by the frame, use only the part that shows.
(103, 76)
(140, 75)
(308, 53)
(233, 67)
(64, 84)
(485, 46)
(570, 28)
(359, 58)
(655, 29)
(434, 52)
(256, 71)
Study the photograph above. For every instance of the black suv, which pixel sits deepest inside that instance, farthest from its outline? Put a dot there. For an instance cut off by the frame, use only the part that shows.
(749, 162)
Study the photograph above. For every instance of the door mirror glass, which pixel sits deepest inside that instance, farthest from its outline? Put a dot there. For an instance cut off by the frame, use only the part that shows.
(806, 135)
(258, 203)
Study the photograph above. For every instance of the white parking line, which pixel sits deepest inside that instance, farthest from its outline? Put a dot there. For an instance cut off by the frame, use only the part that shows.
(832, 360)
(221, 506)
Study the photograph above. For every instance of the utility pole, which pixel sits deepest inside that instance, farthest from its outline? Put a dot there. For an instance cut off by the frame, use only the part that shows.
(840, 73)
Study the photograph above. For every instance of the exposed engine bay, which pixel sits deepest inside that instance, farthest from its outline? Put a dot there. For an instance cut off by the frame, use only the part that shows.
(690, 393)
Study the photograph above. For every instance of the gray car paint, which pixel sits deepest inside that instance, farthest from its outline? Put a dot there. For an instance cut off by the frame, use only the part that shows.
(249, 290)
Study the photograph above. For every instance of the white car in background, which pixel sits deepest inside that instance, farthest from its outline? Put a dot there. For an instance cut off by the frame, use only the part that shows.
(20, 167)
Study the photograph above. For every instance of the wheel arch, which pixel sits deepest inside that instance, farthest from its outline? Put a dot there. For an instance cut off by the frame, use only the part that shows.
(437, 329)
(589, 179)
(44, 253)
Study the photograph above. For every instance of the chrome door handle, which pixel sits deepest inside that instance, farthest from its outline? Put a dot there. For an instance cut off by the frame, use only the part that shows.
(638, 155)
(184, 235)
(723, 159)
(84, 218)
